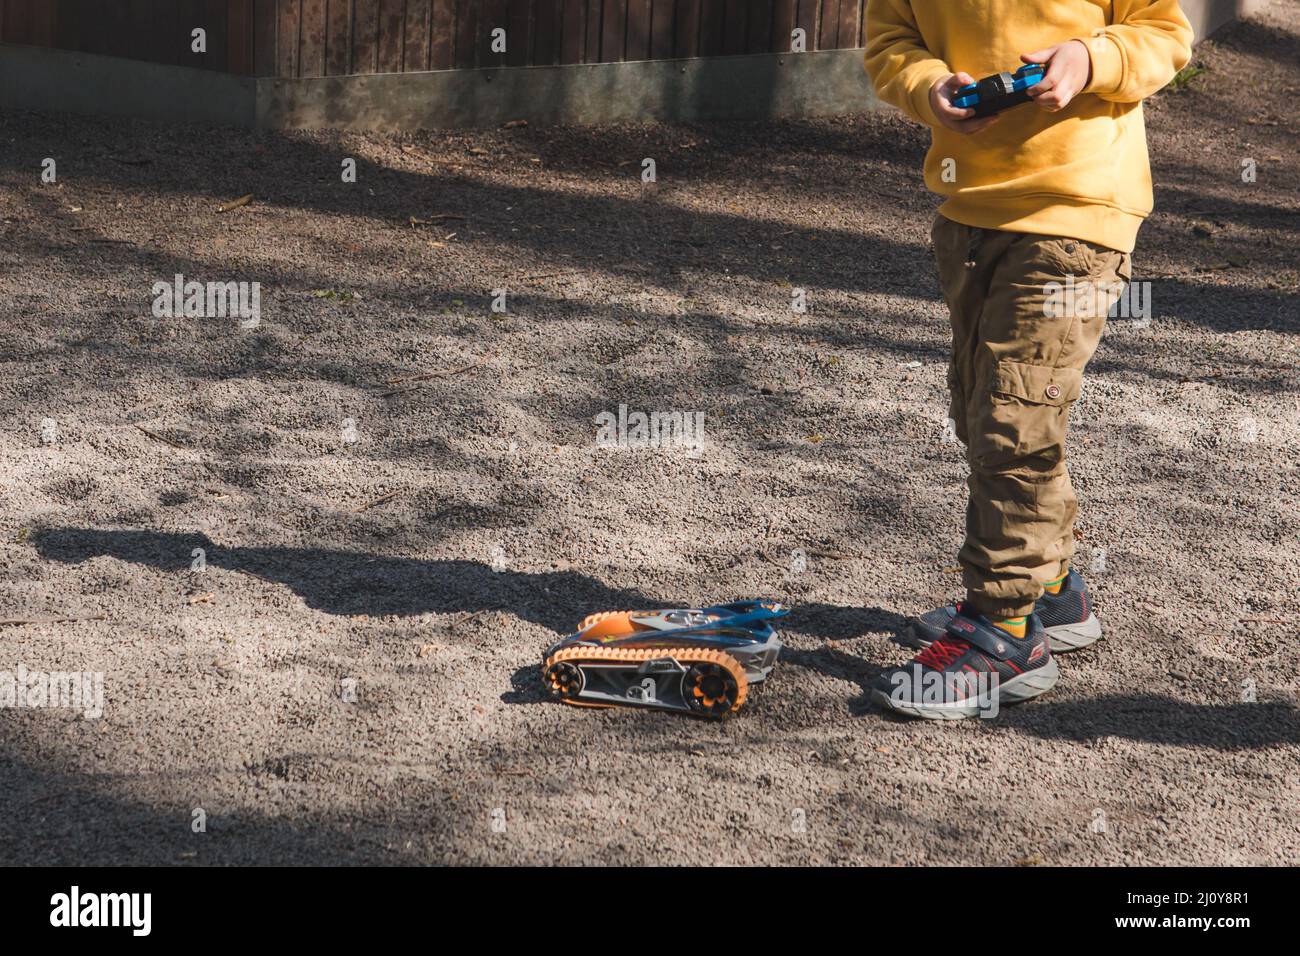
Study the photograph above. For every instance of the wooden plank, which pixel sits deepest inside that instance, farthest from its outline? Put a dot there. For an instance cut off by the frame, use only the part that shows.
(783, 21)
(365, 36)
(128, 32)
(760, 27)
(68, 18)
(686, 28)
(212, 17)
(32, 22)
(573, 31)
(613, 32)
(492, 16)
(338, 37)
(467, 33)
(519, 32)
(239, 40)
(392, 26)
(172, 39)
(806, 20)
(264, 28)
(735, 26)
(311, 38)
(846, 37)
(80, 25)
(591, 51)
(46, 23)
(638, 30)
(713, 22)
(286, 46)
(168, 33)
(415, 36)
(18, 21)
(661, 29)
(828, 25)
(442, 35)
(546, 31)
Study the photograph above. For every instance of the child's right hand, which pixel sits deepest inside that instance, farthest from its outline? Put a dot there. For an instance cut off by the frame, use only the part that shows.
(950, 117)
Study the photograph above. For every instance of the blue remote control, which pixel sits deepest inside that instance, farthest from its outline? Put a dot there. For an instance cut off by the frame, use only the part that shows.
(999, 92)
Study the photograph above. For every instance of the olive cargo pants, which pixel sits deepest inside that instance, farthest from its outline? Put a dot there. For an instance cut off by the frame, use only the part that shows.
(1027, 313)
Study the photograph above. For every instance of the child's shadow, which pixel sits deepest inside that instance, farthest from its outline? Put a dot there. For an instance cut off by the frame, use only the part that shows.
(833, 623)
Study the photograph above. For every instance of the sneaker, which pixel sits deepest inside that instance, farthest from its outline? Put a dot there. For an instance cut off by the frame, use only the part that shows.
(971, 670)
(1066, 616)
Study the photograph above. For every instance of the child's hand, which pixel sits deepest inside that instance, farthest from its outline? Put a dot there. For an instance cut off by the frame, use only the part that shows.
(1069, 70)
(949, 116)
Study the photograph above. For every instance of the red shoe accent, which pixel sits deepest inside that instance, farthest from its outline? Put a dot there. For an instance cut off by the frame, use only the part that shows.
(941, 653)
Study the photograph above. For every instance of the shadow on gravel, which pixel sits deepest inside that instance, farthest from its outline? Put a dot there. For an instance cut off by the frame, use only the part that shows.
(55, 818)
(1162, 720)
(349, 582)
(623, 232)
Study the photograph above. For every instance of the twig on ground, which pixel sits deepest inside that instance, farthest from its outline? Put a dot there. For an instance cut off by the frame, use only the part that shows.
(468, 617)
(438, 218)
(156, 437)
(15, 621)
(378, 501)
(236, 203)
(417, 380)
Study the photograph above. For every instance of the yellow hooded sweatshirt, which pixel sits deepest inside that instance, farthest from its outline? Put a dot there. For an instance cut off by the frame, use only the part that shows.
(1082, 172)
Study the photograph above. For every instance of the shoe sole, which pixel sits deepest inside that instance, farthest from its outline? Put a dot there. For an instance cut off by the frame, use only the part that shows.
(1024, 687)
(1061, 638)
(1070, 637)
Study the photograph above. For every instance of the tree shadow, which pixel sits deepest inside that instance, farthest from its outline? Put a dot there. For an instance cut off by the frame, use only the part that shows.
(352, 583)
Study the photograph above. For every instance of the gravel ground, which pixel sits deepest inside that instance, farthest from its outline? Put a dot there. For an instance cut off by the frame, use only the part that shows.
(352, 676)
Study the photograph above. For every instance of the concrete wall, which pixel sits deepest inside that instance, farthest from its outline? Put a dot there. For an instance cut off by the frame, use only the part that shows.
(36, 78)
(1207, 16)
(740, 87)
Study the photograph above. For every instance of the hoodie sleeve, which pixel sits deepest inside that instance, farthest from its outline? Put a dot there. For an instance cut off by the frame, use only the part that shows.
(900, 66)
(1140, 52)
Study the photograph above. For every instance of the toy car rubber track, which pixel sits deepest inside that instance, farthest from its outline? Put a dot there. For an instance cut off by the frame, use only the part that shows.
(701, 661)
(999, 92)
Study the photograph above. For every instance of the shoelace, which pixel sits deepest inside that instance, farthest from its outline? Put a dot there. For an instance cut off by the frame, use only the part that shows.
(942, 653)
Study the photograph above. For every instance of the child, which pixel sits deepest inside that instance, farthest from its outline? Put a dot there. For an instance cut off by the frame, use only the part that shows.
(1038, 197)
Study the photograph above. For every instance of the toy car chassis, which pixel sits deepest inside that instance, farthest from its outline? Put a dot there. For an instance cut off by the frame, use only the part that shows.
(700, 661)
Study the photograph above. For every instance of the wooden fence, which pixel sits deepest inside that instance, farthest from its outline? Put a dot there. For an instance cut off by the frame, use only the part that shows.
(294, 38)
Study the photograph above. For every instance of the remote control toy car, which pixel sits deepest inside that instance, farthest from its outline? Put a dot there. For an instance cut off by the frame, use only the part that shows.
(702, 661)
(999, 92)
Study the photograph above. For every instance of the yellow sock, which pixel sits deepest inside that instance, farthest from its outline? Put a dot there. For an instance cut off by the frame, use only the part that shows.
(1054, 587)
(1015, 626)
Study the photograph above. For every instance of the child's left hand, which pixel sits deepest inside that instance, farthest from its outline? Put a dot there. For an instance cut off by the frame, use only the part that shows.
(1069, 70)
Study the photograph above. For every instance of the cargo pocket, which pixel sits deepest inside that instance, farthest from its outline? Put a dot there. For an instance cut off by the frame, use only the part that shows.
(1100, 262)
(1037, 383)
(1054, 257)
(1027, 415)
